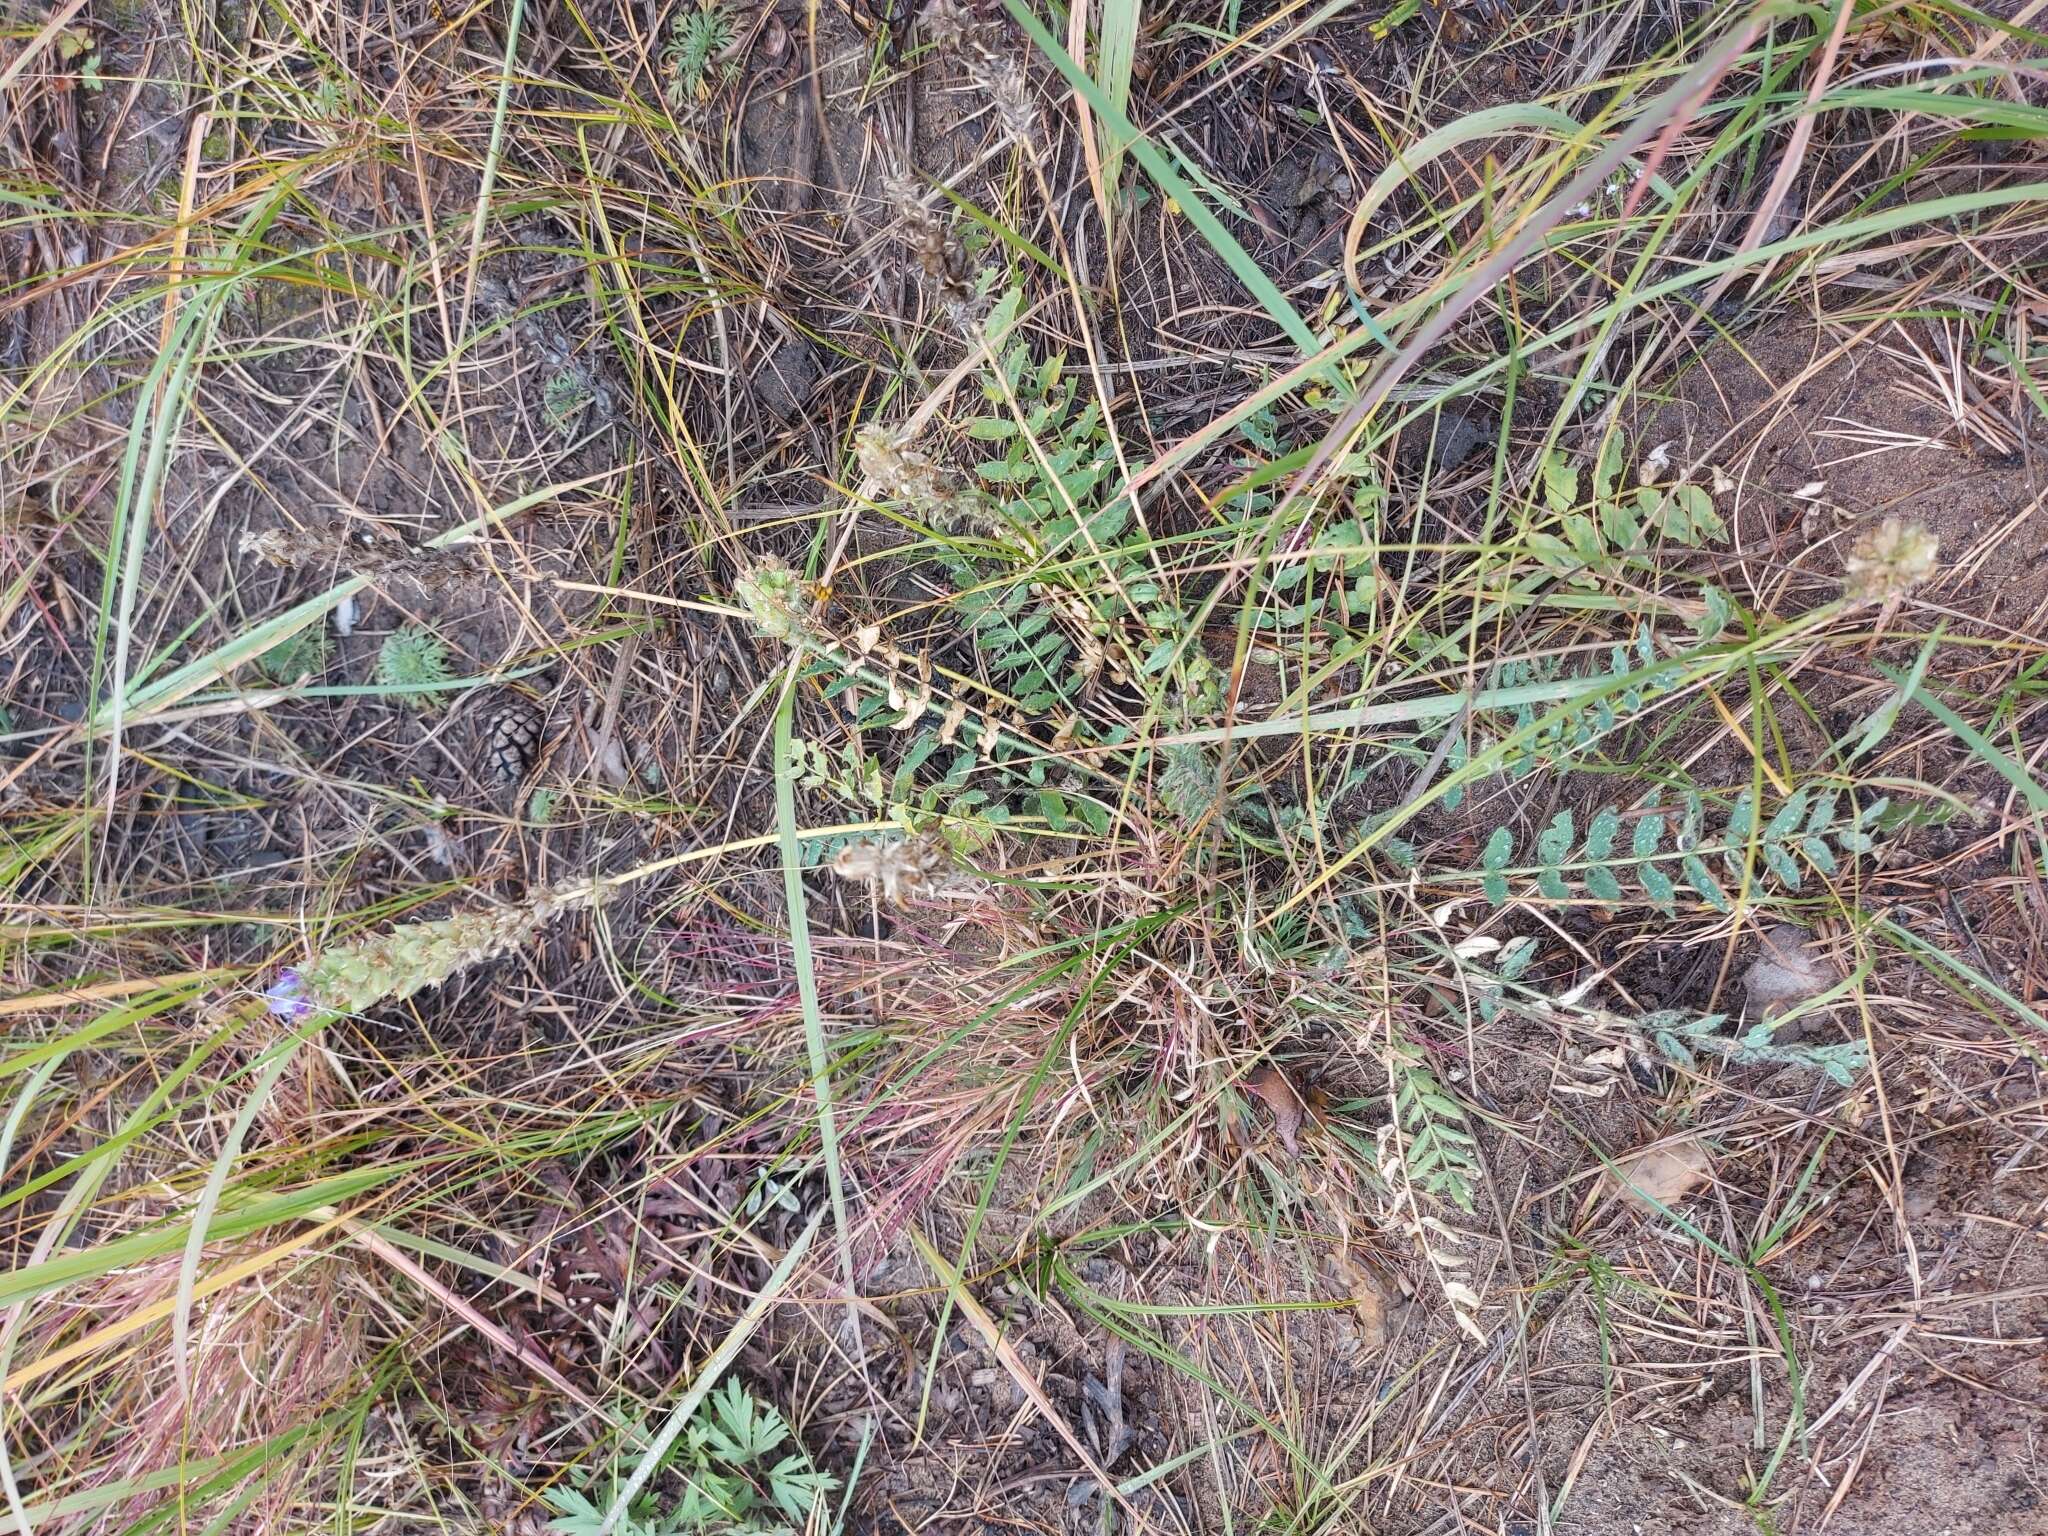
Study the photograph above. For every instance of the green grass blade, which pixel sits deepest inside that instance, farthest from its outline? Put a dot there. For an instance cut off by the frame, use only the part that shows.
(1967, 976)
(74, 1265)
(1116, 53)
(1879, 724)
(282, 1055)
(1173, 184)
(786, 769)
(222, 660)
(1986, 750)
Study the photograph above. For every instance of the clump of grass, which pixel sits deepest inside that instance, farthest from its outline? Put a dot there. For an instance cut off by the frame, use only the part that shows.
(1266, 752)
(264, 1358)
(413, 664)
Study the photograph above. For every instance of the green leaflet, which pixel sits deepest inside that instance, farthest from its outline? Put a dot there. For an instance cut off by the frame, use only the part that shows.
(1810, 830)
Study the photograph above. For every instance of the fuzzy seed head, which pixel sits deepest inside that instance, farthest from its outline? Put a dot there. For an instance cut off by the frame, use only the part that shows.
(1889, 561)
(382, 967)
(903, 473)
(951, 23)
(1016, 113)
(776, 599)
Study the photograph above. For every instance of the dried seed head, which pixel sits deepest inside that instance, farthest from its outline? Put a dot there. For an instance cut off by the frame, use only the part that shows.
(905, 196)
(293, 546)
(1016, 113)
(910, 868)
(986, 52)
(431, 570)
(953, 23)
(901, 472)
(935, 245)
(1889, 561)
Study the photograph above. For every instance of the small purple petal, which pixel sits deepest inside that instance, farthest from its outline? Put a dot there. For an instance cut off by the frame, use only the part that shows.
(287, 996)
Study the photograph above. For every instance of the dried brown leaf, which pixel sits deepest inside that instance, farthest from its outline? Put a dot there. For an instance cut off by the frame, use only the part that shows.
(1370, 1302)
(1270, 1086)
(1660, 1175)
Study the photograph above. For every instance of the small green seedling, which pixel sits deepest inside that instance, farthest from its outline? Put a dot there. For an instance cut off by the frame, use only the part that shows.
(413, 665)
(733, 1481)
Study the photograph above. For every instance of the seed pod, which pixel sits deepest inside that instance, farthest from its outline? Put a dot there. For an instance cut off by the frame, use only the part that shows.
(512, 741)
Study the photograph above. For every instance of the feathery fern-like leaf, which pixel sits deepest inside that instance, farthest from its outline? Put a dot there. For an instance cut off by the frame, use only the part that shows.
(1681, 1037)
(1806, 830)
(698, 37)
(1440, 1156)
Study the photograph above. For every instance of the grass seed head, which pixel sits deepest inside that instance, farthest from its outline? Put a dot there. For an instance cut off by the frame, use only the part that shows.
(1889, 561)
(1016, 113)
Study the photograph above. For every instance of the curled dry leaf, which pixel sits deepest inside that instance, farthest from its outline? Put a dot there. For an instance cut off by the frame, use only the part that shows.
(1270, 1086)
(1593, 1078)
(1660, 1175)
(1370, 1302)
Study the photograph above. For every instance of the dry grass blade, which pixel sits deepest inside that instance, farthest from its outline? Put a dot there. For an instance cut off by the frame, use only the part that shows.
(1661, 115)
(224, 1279)
(391, 1254)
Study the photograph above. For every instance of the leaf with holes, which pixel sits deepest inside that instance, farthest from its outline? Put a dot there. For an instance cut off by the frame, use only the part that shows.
(1499, 849)
(1553, 847)
(1703, 881)
(1716, 611)
(1560, 482)
(1613, 459)
(1600, 835)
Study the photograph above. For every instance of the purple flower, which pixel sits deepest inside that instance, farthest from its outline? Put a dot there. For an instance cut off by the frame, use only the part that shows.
(287, 996)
